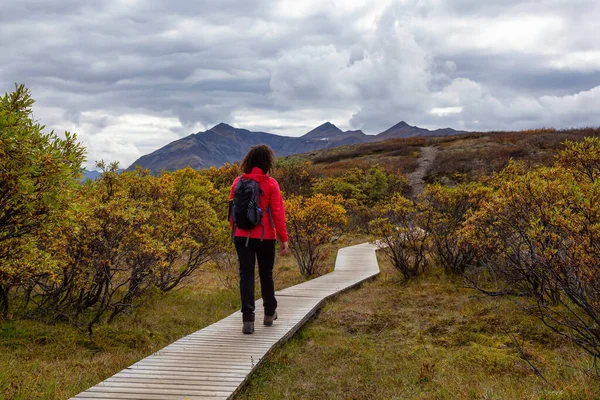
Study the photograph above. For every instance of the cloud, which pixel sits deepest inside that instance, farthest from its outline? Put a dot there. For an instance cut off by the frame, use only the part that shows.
(129, 76)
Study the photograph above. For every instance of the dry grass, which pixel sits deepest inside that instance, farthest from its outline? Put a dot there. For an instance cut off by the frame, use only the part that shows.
(40, 361)
(427, 339)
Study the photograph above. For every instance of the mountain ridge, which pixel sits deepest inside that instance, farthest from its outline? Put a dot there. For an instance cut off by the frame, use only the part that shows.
(224, 143)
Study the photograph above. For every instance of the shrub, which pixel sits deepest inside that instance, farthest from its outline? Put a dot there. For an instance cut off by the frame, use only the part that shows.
(129, 233)
(38, 174)
(221, 178)
(539, 234)
(192, 230)
(311, 223)
(295, 176)
(406, 242)
(368, 187)
(447, 209)
(582, 159)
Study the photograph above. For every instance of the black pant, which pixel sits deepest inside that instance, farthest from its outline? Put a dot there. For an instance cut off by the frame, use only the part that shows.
(264, 252)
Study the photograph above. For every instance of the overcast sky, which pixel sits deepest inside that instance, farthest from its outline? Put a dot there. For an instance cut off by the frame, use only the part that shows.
(129, 76)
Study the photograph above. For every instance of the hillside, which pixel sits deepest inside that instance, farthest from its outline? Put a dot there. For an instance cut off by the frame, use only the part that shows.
(224, 143)
(462, 157)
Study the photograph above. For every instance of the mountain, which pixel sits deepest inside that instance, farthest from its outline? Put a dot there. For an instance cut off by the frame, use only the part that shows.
(404, 130)
(90, 175)
(331, 133)
(220, 144)
(224, 143)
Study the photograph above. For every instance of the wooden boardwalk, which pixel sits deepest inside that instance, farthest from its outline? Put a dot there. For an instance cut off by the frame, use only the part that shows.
(214, 362)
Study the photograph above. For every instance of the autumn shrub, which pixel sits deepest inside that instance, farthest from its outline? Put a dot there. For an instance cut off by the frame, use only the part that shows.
(362, 190)
(369, 187)
(295, 176)
(193, 231)
(582, 158)
(446, 210)
(400, 230)
(347, 186)
(221, 178)
(539, 235)
(360, 215)
(312, 222)
(128, 234)
(38, 175)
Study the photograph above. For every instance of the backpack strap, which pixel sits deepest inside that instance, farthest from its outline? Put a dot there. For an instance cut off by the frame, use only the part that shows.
(230, 218)
(267, 211)
(271, 216)
(231, 214)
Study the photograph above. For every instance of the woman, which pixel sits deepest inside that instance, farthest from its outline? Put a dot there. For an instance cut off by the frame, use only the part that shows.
(258, 242)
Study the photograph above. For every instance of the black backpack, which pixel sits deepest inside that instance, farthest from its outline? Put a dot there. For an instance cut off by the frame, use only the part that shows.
(244, 210)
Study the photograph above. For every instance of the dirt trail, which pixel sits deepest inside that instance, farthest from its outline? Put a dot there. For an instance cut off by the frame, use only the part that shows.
(415, 179)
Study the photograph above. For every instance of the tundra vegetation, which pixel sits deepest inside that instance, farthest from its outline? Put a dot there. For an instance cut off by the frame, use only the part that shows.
(494, 268)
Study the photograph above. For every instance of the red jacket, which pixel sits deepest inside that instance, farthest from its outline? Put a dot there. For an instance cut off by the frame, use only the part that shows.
(271, 196)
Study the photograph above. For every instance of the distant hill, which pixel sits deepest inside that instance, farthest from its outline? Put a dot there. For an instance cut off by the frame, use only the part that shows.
(93, 175)
(331, 133)
(224, 143)
(90, 175)
(404, 130)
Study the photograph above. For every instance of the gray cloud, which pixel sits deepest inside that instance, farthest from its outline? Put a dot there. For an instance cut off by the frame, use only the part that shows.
(130, 76)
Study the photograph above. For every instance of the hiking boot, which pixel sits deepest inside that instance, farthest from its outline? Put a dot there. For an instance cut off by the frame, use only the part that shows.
(269, 320)
(248, 327)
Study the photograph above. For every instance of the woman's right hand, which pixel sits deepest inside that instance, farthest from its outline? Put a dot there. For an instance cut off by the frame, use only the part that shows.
(284, 248)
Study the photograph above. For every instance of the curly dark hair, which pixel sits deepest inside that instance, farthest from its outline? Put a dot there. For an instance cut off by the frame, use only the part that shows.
(261, 156)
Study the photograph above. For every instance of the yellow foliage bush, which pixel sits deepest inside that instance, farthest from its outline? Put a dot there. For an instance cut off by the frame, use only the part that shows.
(128, 233)
(539, 234)
(312, 222)
(38, 175)
(401, 230)
(446, 210)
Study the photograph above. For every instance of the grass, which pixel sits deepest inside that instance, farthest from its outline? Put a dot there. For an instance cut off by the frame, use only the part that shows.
(426, 339)
(41, 361)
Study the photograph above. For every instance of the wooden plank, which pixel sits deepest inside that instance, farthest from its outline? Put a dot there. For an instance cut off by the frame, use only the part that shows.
(165, 385)
(183, 374)
(198, 370)
(105, 389)
(216, 361)
(215, 380)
